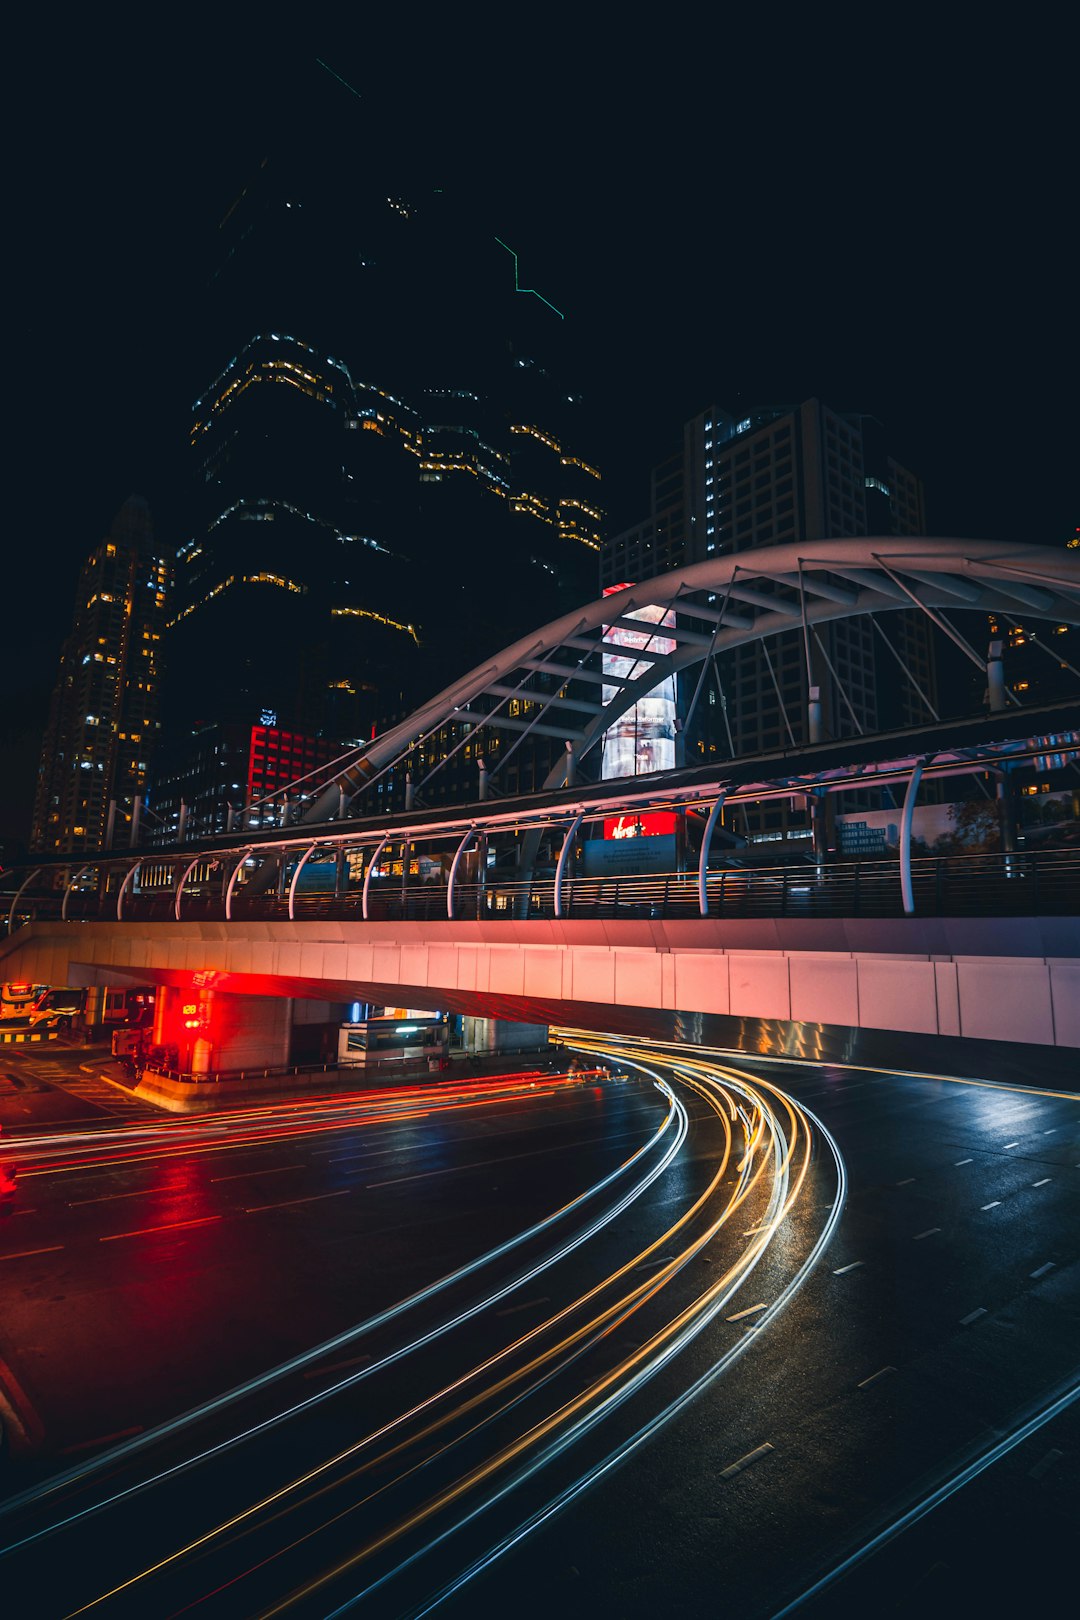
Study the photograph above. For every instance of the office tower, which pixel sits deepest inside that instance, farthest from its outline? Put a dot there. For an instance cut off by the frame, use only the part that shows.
(103, 719)
(387, 479)
(781, 475)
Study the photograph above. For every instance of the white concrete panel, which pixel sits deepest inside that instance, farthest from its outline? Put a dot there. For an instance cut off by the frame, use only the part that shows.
(897, 994)
(360, 963)
(594, 976)
(443, 965)
(1003, 999)
(506, 969)
(824, 989)
(759, 984)
(543, 971)
(260, 956)
(1065, 990)
(701, 982)
(288, 958)
(335, 961)
(414, 963)
(386, 964)
(467, 966)
(948, 998)
(312, 963)
(637, 979)
(667, 982)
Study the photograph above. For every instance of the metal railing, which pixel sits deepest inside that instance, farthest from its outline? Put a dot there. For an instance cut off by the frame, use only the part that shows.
(1036, 883)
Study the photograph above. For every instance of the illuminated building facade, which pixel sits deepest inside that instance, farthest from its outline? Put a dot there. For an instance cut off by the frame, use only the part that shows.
(776, 476)
(387, 481)
(103, 719)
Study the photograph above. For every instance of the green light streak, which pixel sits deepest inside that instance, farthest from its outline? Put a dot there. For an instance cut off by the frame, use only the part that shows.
(339, 79)
(519, 288)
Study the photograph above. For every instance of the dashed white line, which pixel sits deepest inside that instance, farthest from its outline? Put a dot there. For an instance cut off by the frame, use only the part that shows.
(110, 1198)
(958, 1162)
(174, 1226)
(239, 1175)
(1043, 1182)
(992, 1205)
(842, 1271)
(972, 1316)
(751, 1310)
(906, 1181)
(256, 1209)
(875, 1376)
(23, 1254)
(1010, 1145)
(651, 1265)
(745, 1462)
(1042, 1270)
(930, 1230)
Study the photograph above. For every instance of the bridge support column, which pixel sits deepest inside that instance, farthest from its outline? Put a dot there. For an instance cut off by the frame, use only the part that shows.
(213, 1033)
(484, 1036)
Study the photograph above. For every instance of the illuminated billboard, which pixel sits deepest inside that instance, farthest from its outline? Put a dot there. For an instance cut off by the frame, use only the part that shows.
(643, 739)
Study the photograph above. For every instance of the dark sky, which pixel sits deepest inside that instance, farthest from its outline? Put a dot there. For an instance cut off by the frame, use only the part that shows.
(872, 206)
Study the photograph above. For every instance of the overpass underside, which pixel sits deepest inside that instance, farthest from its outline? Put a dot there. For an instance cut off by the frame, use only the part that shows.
(875, 990)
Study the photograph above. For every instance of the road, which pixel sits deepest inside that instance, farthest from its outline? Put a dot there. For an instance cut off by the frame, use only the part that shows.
(790, 1302)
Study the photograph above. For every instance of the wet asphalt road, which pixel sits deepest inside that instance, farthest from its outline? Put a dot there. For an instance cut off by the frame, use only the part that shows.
(945, 1312)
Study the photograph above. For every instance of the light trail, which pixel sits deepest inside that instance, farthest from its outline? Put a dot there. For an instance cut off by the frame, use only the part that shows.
(606, 1394)
(675, 1115)
(771, 1142)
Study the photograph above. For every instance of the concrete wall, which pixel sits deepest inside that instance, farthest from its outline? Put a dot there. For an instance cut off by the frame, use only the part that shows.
(1014, 980)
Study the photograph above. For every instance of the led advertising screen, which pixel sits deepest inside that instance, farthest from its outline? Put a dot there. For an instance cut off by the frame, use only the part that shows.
(643, 739)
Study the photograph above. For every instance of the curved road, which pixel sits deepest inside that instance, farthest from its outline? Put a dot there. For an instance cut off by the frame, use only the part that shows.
(627, 1346)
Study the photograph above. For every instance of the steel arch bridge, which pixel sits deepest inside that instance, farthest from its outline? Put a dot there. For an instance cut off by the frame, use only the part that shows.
(717, 606)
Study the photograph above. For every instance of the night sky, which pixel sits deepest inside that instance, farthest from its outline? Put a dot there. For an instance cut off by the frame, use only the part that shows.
(870, 206)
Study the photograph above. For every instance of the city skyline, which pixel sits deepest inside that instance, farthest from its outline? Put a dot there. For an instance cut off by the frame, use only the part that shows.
(692, 262)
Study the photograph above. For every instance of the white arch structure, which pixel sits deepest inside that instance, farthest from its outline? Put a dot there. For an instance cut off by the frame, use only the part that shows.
(719, 605)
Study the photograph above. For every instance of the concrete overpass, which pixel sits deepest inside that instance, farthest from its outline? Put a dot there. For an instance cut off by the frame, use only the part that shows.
(821, 985)
(252, 964)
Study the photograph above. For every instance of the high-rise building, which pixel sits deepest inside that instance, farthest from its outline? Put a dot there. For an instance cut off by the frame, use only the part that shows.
(387, 475)
(103, 719)
(776, 476)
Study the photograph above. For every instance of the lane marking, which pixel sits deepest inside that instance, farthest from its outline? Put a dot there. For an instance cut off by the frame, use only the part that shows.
(972, 1316)
(751, 1310)
(994, 1205)
(930, 1230)
(958, 1162)
(1043, 1182)
(651, 1265)
(239, 1175)
(255, 1209)
(109, 1198)
(1049, 1266)
(511, 1310)
(843, 1270)
(23, 1254)
(1009, 1145)
(906, 1181)
(1051, 1131)
(874, 1377)
(174, 1226)
(745, 1462)
(1046, 1462)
